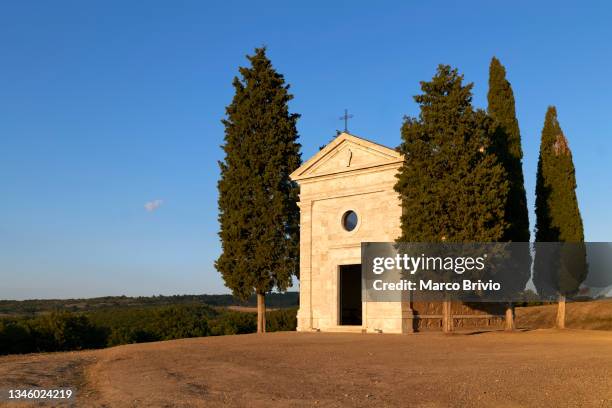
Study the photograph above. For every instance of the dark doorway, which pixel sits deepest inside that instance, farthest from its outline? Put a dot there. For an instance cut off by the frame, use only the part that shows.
(350, 295)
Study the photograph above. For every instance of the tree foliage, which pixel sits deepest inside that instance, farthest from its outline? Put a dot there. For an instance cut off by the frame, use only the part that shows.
(507, 144)
(258, 214)
(62, 331)
(508, 147)
(558, 217)
(56, 331)
(453, 186)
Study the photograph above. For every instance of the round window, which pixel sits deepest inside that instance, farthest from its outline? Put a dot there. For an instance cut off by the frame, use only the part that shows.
(349, 220)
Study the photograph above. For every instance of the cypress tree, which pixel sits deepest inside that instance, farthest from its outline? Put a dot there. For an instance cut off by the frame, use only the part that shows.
(558, 216)
(452, 185)
(508, 146)
(258, 214)
(508, 139)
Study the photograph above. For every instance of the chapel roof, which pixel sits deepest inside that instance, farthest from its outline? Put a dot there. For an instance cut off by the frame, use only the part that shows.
(347, 153)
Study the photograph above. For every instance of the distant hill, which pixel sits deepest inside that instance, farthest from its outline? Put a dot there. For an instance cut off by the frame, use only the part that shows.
(37, 306)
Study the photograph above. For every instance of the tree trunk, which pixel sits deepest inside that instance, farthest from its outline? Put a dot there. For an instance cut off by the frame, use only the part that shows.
(447, 318)
(261, 313)
(510, 317)
(561, 313)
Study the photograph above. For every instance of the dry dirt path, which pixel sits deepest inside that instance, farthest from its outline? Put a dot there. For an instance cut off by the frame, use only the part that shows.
(543, 368)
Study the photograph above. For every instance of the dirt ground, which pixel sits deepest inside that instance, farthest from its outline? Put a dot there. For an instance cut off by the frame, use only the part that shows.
(541, 368)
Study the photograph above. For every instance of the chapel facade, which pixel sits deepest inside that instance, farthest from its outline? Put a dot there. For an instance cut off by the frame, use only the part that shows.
(346, 198)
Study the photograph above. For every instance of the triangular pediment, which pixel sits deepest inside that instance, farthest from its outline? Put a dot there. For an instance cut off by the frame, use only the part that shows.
(346, 153)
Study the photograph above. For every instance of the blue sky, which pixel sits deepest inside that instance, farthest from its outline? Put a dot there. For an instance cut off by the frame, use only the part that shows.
(107, 106)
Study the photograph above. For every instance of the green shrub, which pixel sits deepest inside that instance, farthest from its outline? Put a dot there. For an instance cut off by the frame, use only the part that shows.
(15, 338)
(281, 320)
(62, 331)
(231, 322)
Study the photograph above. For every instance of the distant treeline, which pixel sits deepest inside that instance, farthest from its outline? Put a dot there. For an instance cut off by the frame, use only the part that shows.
(37, 306)
(63, 330)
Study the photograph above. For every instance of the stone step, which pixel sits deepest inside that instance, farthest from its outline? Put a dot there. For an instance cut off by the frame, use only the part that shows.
(344, 329)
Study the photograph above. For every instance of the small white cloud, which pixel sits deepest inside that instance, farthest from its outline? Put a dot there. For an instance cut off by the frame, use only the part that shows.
(153, 205)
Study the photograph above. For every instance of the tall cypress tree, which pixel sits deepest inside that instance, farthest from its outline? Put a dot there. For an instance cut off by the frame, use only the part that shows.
(557, 213)
(558, 216)
(258, 214)
(508, 139)
(452, 185)
(508, 146)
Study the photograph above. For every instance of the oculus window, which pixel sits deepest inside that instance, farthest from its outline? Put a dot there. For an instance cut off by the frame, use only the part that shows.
(349, 220)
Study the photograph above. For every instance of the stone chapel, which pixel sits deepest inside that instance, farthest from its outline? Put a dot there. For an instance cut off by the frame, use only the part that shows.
(347, 197)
